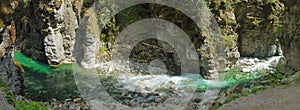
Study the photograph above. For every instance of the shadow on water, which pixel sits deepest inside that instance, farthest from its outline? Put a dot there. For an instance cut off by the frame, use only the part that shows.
(43, 82)
(60, 84)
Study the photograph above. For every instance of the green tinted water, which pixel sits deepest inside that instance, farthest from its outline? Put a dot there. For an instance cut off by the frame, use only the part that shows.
(27, 62)
(43, 82)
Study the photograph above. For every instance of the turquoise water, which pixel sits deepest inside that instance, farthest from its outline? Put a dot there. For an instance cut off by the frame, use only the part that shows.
(43, 82)
(27, 62)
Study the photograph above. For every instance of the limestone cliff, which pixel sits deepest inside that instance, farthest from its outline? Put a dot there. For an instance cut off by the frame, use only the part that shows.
(259, 25)
(47, 30)
(10, 71)
(290, 34)
(223, 12)
(88, 40)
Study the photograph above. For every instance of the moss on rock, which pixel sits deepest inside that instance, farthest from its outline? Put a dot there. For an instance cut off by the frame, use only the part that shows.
(258, 22)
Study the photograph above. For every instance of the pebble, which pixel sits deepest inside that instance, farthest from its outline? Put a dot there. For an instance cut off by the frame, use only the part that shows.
(158, 100)
(77, 100)
(133, 103)
(68, 100)
(246, 70)
(72, 106)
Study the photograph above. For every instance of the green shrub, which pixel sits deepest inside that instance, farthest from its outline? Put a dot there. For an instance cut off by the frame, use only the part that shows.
(275, 79)
(25, 3)
(103, 49)
(298, 78)
(9, 95)
(22, 105)
(229, 41)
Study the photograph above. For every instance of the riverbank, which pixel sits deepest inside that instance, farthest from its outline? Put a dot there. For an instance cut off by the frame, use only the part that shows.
(278, 98)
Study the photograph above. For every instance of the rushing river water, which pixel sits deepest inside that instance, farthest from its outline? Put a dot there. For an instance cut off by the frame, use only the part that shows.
(43, 82)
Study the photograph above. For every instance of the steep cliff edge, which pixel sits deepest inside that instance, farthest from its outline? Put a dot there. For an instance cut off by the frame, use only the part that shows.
(269, 28)
(259, 25)
(10, 70)
(47, 30)
(250, 28)
(290, 35)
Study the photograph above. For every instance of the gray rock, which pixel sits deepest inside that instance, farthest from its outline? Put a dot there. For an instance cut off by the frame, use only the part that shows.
(158, 100)
(4, 104)
(257, 41)
(59, 44)
(246, 70)
(72, 106)
(10, 72)
(87, 45)
(133, 103)
(53, 31)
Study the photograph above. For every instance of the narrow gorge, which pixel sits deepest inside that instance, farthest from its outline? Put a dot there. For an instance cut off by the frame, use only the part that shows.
(233, 48)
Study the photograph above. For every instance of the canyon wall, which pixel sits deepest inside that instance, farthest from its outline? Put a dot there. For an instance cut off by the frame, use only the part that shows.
(259, 25)
(11, 72)
(261, 28)
(46, 30)
(290, 35)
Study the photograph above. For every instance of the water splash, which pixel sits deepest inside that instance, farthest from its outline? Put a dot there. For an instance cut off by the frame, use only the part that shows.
(152, 82)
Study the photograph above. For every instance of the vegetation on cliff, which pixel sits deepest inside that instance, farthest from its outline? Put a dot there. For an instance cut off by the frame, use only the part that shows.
(44, 35)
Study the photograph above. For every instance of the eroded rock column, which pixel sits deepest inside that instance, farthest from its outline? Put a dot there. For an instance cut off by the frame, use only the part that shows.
(47, 31)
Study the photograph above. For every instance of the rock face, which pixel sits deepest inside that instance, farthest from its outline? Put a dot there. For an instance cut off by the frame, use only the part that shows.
(47, 30)
(4, 104)
(259, 25)
(88, 40)
(198, 36)
(223, 12)
(250, 28)
(10, 71)
(290, 39)
(264, 28)
(7, 8)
